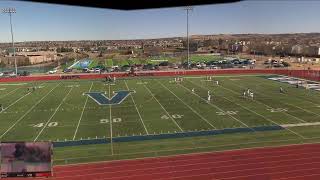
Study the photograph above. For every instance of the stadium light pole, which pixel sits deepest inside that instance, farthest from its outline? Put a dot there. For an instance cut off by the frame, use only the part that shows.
(187, 9)
(10, 11)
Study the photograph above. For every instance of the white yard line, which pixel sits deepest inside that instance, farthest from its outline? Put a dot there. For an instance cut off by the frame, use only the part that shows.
(145, 128)
(270, 106)
(14, 102)
(54, 113)
(84, 107)
(214, 106)
(110, 120)
(15, 123)
(304, 100)
(303, 109)
(164, 109)
(261, 115)
(204, 119)
(10, 92)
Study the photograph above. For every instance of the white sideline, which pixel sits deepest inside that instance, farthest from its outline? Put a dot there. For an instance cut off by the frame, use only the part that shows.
(194, 111)
(84, 107)
(12, 84)
(145, 128)
(300, 124)
(54, 113)
(15, 123)
(164, 109)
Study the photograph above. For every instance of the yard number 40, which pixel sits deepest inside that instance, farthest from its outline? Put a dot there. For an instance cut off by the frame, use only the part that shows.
(51, 124)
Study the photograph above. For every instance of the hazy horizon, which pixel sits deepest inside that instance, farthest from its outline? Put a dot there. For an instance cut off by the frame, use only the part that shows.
(47, 22)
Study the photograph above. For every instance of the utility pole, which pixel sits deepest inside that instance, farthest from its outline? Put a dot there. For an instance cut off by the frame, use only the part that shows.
(187, 9)
(10, 11)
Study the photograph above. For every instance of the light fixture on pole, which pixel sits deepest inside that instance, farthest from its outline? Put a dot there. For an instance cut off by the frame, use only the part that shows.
(10, 11)
(187, 9)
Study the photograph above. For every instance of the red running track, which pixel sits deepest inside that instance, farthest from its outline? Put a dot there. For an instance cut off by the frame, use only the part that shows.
(294, 162)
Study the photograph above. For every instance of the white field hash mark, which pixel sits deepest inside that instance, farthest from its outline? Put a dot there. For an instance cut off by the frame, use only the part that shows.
(54, 113)
(111, 130)
(234, 118)
(145, 128)
(194, 111)
(84, 107)
(15, 123)
(164, 109)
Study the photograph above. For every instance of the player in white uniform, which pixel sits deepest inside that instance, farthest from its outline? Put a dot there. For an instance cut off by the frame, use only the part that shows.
(281, 90)
(209, 97)
(251, 95)
(192, 90)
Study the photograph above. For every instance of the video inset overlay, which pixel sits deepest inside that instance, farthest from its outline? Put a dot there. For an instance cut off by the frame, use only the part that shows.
(26, 159)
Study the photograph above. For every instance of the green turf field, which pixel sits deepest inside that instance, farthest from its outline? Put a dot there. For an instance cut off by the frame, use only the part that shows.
(60, 111)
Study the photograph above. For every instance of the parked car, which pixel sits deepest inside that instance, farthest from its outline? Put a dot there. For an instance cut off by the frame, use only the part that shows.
(97, 70)
(24, 73)
(125, 68)
(85, 70)
(67, 70)
(52, 71)
(212, 66)
(148, 67)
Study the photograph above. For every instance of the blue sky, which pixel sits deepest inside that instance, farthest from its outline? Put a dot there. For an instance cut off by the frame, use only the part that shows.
(35, 21)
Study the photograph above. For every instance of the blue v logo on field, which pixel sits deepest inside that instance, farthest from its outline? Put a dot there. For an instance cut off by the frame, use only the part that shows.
(102, 99)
